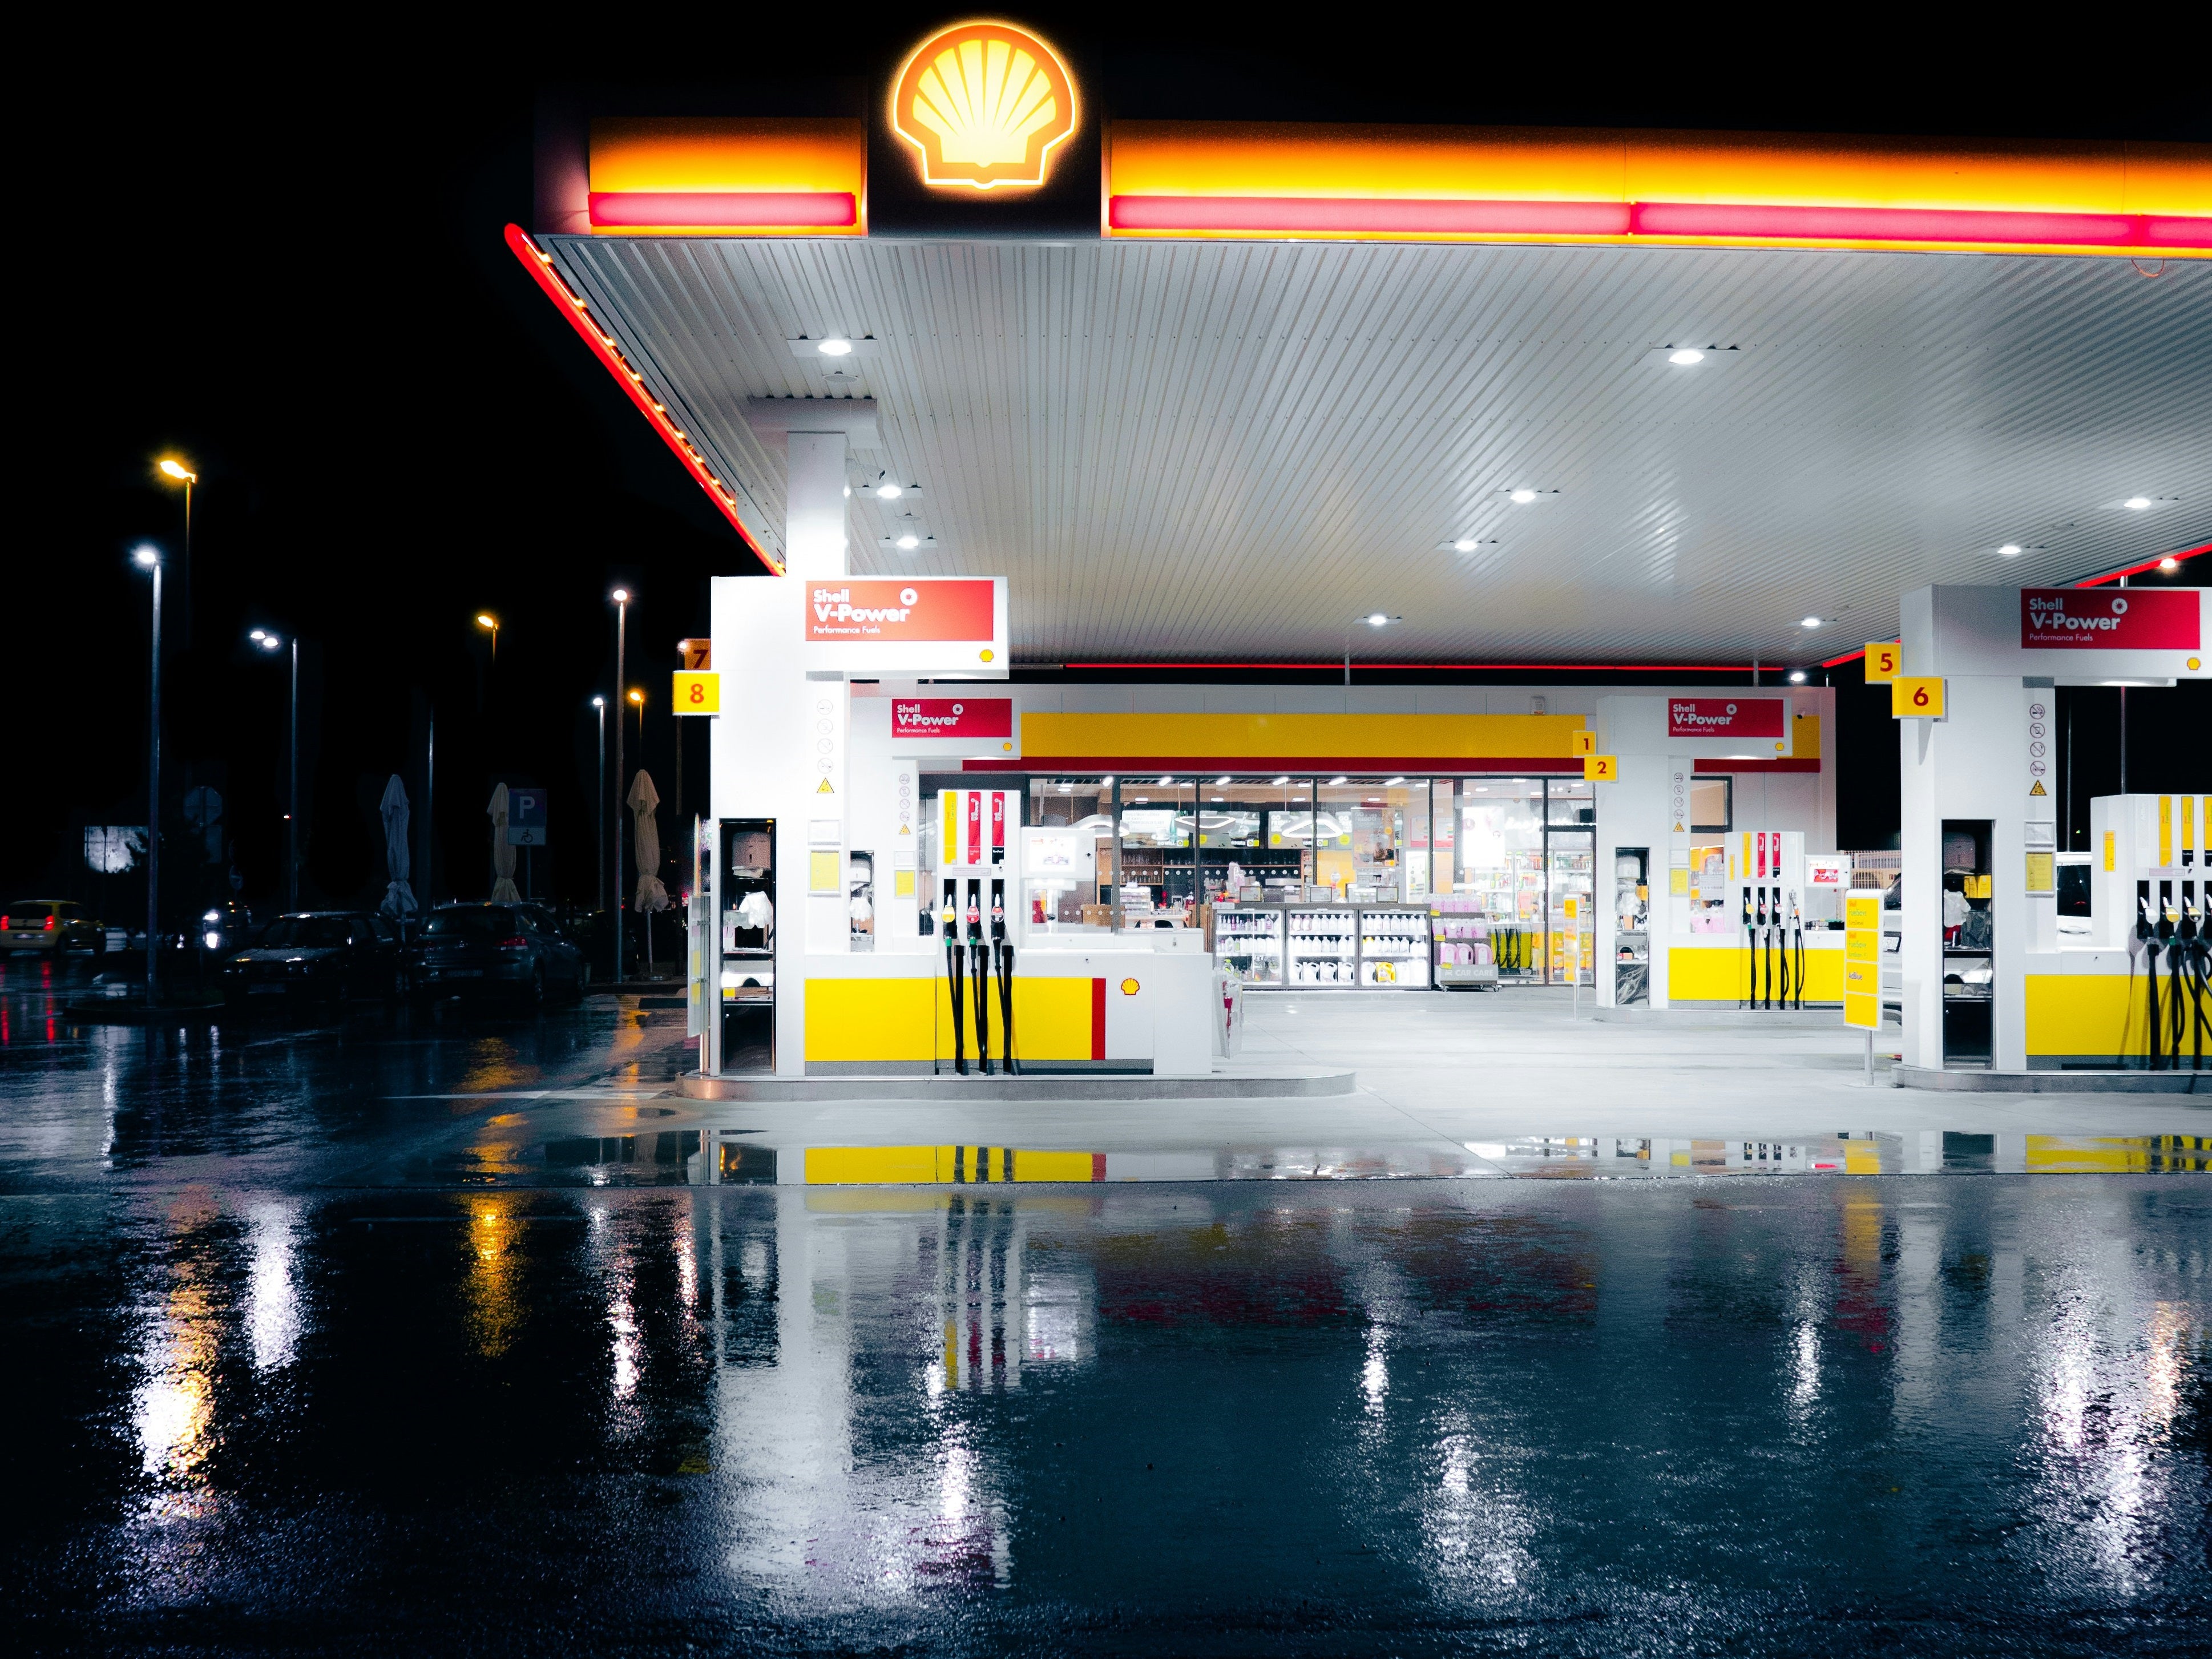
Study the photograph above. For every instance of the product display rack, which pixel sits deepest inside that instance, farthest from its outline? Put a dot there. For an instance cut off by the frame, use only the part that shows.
(1384, 947)
(1249, 937)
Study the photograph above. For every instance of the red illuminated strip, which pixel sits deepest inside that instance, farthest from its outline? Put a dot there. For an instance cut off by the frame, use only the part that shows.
(603, 347)
(1451, 667)
(1363, 768)
(799, 209)
(1855, 224)
(1404, 217)
(1373, 214)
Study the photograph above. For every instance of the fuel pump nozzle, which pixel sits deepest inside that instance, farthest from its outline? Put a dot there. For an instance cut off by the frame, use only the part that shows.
(949, 916)
(979, 967)
(1003, 948)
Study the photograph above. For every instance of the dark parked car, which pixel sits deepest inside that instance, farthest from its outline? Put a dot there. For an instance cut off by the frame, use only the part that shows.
(317, 956)
(517, 951)
(54, 925)
(226, 927)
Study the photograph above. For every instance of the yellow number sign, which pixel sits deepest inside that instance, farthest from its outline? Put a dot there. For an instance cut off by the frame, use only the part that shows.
(1883, 662)
(1600, 768)
(1912, 698)
(697, 694)
(1585, 742)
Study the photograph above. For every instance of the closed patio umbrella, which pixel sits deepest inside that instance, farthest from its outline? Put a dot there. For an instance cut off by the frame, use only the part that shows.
(645, 842)
(503, 890)
(398, 897)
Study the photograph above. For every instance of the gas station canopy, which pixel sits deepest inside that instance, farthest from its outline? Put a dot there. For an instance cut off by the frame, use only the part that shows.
(1203, 392)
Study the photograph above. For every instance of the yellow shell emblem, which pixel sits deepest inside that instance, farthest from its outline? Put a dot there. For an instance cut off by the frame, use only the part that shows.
(986, 104)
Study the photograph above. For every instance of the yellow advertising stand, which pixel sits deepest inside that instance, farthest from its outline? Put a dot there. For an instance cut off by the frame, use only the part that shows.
(1863, 968)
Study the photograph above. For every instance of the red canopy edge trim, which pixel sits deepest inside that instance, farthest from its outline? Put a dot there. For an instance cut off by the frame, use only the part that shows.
(602, 346)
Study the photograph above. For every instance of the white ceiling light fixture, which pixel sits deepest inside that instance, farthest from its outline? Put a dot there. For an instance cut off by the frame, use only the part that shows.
(1467, 544)
(838, 349)
(908, 544)
(1283, 780)
(1376, 619)
(1693, 354)
(1165, 782)
(1338, 778)
(2169, 564)
(1809, 621)
(1220, 781)
(1521, 497)
(2137, 503)
(2141, 503)
(1391, 783)
(1796, 677)
(2010, 551)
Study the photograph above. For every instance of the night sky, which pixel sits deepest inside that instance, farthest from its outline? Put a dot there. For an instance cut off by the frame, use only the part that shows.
(280, 257)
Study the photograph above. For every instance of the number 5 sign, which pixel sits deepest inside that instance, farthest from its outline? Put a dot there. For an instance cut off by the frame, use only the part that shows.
(1914, 698)
(1883, 662)
(697, 694)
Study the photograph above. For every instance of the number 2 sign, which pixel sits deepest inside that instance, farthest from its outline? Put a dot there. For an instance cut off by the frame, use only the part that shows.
(697, 694)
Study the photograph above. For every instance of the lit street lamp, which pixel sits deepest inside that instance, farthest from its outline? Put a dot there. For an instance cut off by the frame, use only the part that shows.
(637, 701)
(148, 557)
(172, 469)
(268, 641)
(621, 596)
(486, 621)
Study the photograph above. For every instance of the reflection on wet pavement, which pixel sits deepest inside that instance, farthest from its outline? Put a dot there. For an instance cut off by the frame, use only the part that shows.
(1811, 1416)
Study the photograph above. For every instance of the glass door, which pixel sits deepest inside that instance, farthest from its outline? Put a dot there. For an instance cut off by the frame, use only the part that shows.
(1569, 873)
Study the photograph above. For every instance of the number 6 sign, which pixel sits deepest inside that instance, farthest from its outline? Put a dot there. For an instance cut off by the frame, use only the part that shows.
(1915, 698)
(697, 694)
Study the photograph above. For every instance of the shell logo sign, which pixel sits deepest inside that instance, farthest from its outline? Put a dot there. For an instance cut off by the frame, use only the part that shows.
(985, 105)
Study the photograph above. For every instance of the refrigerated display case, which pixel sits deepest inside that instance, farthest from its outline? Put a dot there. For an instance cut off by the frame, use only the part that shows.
(1249, 939)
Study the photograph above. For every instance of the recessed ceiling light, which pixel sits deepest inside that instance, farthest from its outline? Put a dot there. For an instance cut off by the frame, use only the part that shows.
(1388, 783)
(2137, 503)
(1165, 782)
(1213, 798)
(888, 492)
(835, 346)
(2169, 564)
(1464, 544)
(1796, 677)
(1685, 356)
(1809, 621)
(1522, 497)
(1141, 799)
(1218, 781)
(1338, 778)
(2010, 551)
(1283, 780)
(908, 544)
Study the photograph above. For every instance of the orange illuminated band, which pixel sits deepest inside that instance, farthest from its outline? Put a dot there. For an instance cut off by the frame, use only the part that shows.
(984, 105)
(605, 348)
(1350, 183)
(727, 175)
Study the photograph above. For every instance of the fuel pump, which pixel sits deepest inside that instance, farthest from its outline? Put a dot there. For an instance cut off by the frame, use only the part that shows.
(954, 952)
(2148, 894)
(977, 853)
(1796, 945)
(979, 971)
(1769, 868)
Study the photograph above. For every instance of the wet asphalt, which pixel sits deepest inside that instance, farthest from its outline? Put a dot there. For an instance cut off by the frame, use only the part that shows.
(287, 1373)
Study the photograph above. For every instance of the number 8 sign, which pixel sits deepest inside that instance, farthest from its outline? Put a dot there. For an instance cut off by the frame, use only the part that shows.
(1915, 698)
(697, 694)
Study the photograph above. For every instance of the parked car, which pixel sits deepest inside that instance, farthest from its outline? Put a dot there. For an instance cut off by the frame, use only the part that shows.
(225, 927)
(517, 951)
(317, 956)
(54, 925)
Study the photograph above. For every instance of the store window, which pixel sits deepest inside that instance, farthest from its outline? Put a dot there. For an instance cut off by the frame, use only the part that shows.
(1067, 855)
(1570, 878)
(1501, 865)
(1712, 806)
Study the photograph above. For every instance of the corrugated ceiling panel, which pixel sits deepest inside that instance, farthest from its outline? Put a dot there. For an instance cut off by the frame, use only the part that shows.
(1229, 451)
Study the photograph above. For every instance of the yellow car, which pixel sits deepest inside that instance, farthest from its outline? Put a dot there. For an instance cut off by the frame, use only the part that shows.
(51, 925)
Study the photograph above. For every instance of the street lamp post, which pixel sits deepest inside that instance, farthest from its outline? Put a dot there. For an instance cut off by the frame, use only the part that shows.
(599, 813)
(1372, 619)
(486, 621)
(268, 641)
(621, 596)
(149, 559)
(177, 472)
